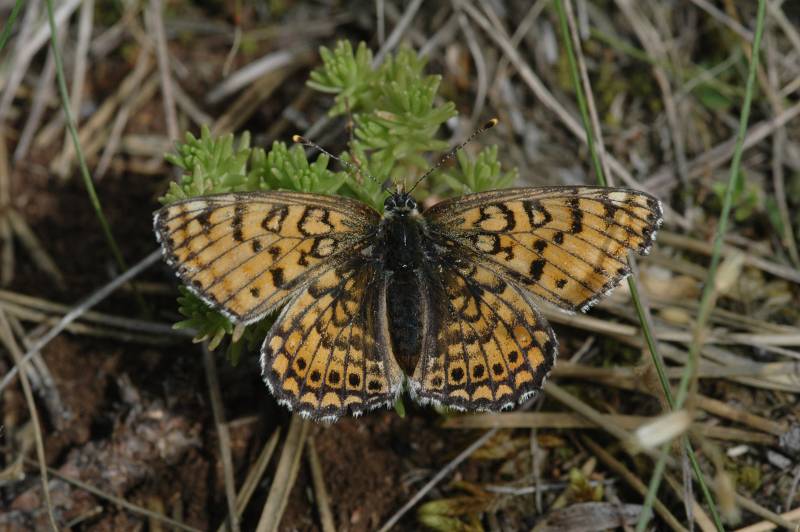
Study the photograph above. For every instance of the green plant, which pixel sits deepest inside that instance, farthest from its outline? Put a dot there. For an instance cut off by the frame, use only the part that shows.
(396, 115)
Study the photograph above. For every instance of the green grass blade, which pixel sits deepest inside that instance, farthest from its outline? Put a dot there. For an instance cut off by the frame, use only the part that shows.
(640, 310)
(10, 24)
(707, 298)
(73, 133)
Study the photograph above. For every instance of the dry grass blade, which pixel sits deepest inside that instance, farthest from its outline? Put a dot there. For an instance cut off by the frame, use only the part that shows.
(122, 503)
(35, 249)
(218, 410)
(632, 480)
(320, 492)
(766, 526)
(397, 33)
(446, 470)
(249, 74)
(16, 353)
(254, 475)
(285, 475)
(156, 23)
(78, 73)
(81, 308)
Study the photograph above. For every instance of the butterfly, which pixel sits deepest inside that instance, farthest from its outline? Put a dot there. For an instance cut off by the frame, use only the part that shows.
(441, 302)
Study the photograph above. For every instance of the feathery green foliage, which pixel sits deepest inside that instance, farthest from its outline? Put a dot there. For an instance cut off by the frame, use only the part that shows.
(397, 118)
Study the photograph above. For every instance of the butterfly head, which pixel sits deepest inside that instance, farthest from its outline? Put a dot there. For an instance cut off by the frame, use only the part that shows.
(400, 204)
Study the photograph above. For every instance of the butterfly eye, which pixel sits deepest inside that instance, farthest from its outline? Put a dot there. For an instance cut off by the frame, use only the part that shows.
(410, 203)
(388, 203)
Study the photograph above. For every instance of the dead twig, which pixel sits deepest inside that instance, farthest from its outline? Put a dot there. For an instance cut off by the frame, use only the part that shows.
(80, 308)
(320, 493)
(16, 353)
(285, 475)
(218, 410)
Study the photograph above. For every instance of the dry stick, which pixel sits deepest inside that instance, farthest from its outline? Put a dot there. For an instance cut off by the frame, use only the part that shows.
(285, 475)
(397, 33)
(44, 92)
(254, 71)
(156, 23)
(766, 526)
(189, 107)
(6, 233)
(93, 128)
(122, 503)
(20, 61)
(662, 180)
(254, 475)
(753, 507)
(380, 20)
(778, 147)
(699, 246)
(446, 470)
(649, 37)
(722, 17)
(480, 66)
(81, 308)
(35, 249)
(112, 143)
(412, 34)
(15, 301)
(251, 98)
(218, 410)
(569, 400)
(619, 468)
(587, 89)
(150, 334)
(78, 74)
(16, 354)
(788, 27)
(696, 511)
(561, 420)
(320, 493)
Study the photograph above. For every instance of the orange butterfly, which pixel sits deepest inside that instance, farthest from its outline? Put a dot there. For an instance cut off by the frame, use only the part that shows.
(441, 299)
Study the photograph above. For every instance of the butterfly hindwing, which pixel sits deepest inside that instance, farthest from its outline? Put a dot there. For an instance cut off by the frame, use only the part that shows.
(327, 352)
(567, 245)
(490, 348)
(245, 253)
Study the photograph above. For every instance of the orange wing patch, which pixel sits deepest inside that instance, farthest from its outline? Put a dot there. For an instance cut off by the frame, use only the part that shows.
(567, 245)
(327, 352)
(492, 350)
(244, 254)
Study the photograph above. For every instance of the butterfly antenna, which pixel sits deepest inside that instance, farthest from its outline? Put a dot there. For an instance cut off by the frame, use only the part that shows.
(452, 153)
(350, 166)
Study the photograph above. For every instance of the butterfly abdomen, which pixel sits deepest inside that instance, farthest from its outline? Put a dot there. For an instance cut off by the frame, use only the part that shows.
(403, 263)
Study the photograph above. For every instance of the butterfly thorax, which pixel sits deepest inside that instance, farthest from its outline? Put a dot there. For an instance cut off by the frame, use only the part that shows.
(404, 264)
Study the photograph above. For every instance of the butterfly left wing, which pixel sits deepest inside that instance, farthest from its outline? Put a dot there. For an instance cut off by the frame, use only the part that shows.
(567, 245)
(245, 254)
(488, 347)
(328, 352)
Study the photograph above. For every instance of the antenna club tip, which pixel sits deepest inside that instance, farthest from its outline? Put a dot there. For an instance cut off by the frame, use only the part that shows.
(297, 138)
(491, 123)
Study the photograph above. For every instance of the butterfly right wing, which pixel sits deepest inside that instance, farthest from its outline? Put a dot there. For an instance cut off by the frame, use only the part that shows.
(488, 348)
(244, 254)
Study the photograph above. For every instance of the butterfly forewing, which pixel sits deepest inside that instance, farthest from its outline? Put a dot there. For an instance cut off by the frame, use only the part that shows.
(567, 245)
(244, 254)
